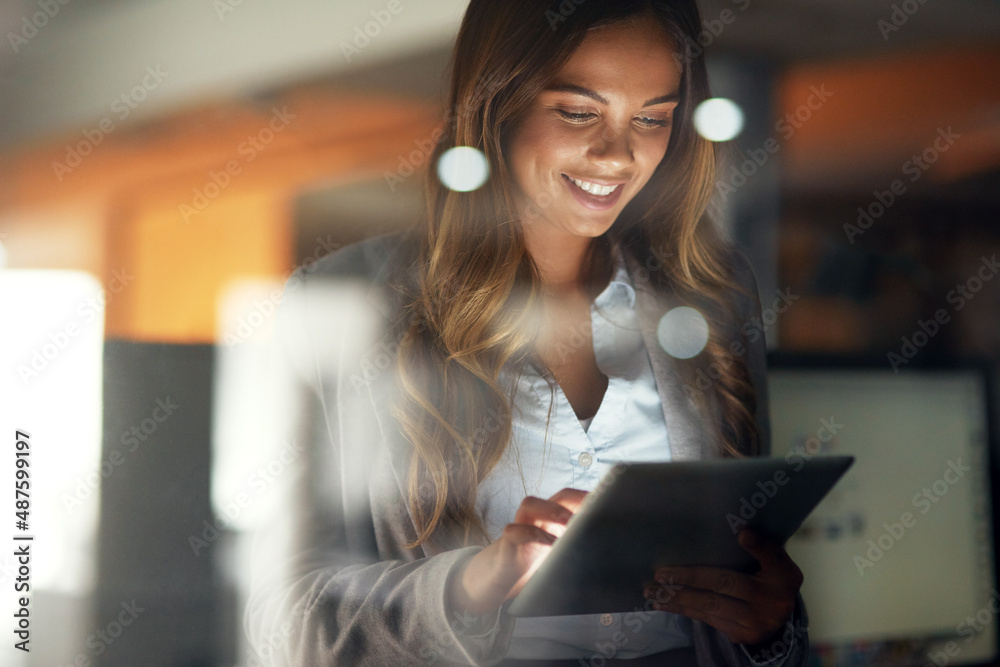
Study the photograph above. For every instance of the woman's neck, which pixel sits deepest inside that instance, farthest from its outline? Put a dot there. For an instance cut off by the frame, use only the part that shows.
(565, 265)
(560, 260)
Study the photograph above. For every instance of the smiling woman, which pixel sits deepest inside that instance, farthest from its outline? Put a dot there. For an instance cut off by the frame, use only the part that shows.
(523, 316)
(593, 137)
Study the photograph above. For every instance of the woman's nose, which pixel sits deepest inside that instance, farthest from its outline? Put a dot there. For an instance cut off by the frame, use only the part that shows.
(612, 147)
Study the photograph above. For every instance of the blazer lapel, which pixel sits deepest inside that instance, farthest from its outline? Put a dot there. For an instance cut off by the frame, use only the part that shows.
(688, 436)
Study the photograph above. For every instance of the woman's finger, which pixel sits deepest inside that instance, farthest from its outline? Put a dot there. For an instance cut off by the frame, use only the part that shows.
(720, 611)
(545, 514)
(524, 545)
(741, 621)
(706, 602)
(773, 559)
(518, 534)
(527, 546)
(716, 579)
(569, 498)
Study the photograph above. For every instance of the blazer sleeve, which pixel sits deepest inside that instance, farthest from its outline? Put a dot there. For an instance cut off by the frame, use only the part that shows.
(360, 598)
(749, 331)
(791, 648)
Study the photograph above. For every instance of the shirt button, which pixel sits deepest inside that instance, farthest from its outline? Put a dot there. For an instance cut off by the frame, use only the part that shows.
(585, 460)
(607, 619)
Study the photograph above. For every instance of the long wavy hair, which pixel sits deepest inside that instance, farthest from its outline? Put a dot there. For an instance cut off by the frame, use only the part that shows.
(476, 288)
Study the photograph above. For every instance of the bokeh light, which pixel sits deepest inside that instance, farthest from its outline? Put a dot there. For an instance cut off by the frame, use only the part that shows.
(718, 119)
(463, 168)
(682, 332)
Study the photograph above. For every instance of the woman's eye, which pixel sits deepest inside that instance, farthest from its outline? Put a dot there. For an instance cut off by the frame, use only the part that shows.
(586, 116)
(654, 122)
(576, 116)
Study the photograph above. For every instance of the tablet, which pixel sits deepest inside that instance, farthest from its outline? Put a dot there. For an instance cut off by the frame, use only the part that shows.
(646, 515)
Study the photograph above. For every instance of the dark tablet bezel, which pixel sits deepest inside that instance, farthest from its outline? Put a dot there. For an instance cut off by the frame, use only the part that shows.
(699, 507)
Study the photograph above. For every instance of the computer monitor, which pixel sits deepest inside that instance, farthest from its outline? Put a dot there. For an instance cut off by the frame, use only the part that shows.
(899, 560)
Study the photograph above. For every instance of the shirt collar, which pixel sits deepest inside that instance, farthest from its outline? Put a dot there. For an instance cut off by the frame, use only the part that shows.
(620, 289)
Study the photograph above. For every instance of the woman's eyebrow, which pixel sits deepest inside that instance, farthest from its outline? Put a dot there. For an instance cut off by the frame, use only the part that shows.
(672, 97)
(597, 97)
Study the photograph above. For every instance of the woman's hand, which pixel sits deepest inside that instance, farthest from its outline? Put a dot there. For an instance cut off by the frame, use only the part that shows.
(499, 572)
(747, 608)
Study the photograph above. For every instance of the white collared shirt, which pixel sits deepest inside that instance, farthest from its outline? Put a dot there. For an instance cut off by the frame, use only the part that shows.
(628, 426)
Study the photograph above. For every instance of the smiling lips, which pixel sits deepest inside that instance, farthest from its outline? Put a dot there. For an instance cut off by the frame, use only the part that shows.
(594, 196)
(594, 188)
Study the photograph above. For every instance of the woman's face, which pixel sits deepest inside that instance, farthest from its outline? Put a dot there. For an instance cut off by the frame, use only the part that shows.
(593, 137)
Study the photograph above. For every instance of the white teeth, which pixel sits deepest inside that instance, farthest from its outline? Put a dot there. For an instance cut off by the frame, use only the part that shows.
(594, 188)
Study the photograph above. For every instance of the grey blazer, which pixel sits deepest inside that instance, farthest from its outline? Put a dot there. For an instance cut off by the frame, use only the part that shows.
(364, 599)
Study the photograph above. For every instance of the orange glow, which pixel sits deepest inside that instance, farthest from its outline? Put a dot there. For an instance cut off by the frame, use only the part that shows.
(125, 202)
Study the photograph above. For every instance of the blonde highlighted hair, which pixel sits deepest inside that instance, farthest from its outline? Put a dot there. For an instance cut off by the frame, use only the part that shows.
(470, 313)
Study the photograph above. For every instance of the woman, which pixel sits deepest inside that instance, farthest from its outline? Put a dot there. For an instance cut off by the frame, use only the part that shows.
(554, 274)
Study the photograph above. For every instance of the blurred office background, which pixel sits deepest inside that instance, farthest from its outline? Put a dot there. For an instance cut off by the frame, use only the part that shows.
(164, 167)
